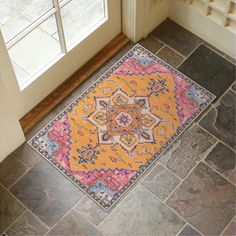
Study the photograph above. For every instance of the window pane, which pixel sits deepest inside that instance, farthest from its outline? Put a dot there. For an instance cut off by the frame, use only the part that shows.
(79, 16)
(16, 15)
(33, 52)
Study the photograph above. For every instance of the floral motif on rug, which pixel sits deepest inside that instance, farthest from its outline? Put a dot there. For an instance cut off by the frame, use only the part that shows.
(116, 130)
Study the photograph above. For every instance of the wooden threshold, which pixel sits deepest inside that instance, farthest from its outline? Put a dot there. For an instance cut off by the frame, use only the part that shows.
(69, 85)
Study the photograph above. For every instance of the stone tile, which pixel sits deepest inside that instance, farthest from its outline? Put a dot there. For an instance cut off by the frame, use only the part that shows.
(74, 224)
(220, 121)
(208, 68)
(10, 170)
(177, 37)
(222, 159)
(170, 56)
(151, 43)
(91, 211)
(27, 225)
(189, 231)
(140, 213)
(187, 151)
(46, 192)
(220, 52)
(27, 154)
(10, 209)
(205, 199)
(230, 230)
(161, 182)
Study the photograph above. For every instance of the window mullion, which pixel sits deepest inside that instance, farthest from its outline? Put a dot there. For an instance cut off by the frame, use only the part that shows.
(29, 29)
(60, 26)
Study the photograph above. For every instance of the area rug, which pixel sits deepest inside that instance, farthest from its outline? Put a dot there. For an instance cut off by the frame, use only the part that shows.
(107, 138)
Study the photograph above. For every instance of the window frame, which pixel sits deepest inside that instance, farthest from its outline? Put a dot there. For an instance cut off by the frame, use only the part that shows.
(55, 11)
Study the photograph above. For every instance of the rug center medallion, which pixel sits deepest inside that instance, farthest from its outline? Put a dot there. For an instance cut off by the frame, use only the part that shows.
(124, 120)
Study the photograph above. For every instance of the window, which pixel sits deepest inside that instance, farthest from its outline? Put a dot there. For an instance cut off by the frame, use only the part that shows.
(39, 32)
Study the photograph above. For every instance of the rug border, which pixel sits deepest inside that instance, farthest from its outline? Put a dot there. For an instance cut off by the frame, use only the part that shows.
(151, 165)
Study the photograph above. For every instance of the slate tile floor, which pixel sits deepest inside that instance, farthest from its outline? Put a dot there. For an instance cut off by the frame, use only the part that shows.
(190, 191)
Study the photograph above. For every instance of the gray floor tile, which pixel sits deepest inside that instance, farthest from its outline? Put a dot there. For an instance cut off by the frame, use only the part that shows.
(10, 209)
(170, 56)
(187, 151)
(220, 52)
(46, 192)
(161, 182)
(206, 200)
(141, 214)
(209, 69)
(151, 43)
(27, 225)
(11, 169)
(189, 231)
(26, 154)
(91, 211)
(74, 224)
(177, 37)
(222, 159)
(220, 121)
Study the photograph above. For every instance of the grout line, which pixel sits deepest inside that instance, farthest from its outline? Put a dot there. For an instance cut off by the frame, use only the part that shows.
(200, 44)
(96, 226)
(217, 102)
(159, 49)
(19, 159)
(176, 213)
(216, 138)
(177, 234)
(218, 172)
(179, 178)
(27, 209)
(168, 46)
(232, 220)
(28, 170)
(69, 211)
(24, 212)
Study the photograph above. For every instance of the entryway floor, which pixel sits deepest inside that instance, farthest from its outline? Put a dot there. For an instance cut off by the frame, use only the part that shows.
(191, 189)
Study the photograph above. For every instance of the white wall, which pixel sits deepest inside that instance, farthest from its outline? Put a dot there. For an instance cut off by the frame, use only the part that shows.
(140, 17)
(11, 135)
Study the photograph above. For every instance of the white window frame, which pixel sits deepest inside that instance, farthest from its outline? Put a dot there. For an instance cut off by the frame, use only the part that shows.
(54, 11)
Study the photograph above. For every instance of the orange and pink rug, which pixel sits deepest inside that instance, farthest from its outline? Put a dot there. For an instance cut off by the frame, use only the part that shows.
(118, 128)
